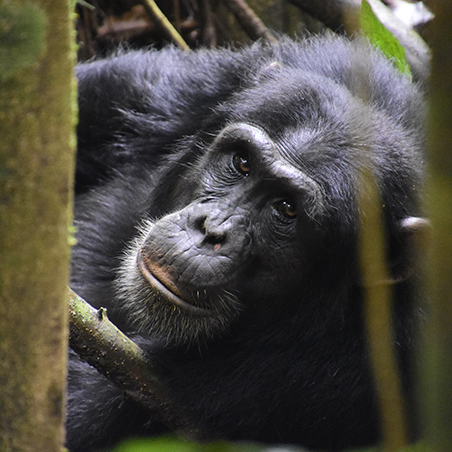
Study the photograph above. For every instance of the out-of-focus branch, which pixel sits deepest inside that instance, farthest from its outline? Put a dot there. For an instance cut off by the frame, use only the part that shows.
(162, 22)
(332, 13)
(249, 21)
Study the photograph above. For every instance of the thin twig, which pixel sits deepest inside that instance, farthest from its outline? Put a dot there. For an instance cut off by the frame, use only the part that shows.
(162, 22)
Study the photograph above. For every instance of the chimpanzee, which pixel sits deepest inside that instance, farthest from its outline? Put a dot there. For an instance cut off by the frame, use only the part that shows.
(218, 220)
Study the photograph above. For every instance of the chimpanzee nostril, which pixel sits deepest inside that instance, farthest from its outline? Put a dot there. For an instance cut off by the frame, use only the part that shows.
(200, 224)
(214, 238)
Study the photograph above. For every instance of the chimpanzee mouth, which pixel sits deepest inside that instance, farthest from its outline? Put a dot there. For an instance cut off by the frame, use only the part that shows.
(168, 294)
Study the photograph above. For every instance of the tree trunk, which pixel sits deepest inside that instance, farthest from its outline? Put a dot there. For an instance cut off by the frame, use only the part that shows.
(36, 166)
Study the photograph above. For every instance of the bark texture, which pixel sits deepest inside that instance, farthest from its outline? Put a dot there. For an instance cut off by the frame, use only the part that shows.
(36, 166)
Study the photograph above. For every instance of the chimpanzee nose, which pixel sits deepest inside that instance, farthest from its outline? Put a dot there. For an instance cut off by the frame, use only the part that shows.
(213, 225)
(216, 225)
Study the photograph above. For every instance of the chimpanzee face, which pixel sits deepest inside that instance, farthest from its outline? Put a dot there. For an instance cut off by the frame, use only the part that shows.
(246, 215)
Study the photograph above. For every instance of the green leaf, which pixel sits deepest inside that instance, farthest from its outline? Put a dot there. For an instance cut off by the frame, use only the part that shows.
(170, 444)
(382, 38)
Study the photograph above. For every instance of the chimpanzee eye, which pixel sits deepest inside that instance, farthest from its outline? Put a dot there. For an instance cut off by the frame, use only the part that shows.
(241, 163)
(285, 208)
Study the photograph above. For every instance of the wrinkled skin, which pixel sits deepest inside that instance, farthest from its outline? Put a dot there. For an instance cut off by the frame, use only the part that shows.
(218, 222)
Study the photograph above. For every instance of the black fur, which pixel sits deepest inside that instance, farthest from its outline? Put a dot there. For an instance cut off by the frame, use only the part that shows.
(264, 339)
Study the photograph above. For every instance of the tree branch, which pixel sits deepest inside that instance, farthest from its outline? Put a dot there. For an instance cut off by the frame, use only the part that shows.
(330, 12)
(249, 21)
(164, 24)
(112, 353)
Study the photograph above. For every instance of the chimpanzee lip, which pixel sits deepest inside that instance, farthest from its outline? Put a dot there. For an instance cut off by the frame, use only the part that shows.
(167, 293)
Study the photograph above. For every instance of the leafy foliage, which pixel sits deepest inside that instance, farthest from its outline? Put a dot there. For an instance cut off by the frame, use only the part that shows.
(382, 38)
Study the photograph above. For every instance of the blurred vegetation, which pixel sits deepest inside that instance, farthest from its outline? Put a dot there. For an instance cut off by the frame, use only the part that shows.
(436, 368)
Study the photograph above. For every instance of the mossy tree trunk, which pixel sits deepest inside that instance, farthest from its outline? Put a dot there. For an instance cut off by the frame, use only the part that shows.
(36, 166)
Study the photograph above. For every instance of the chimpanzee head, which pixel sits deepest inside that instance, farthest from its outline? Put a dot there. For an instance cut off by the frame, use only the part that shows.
(263, 218)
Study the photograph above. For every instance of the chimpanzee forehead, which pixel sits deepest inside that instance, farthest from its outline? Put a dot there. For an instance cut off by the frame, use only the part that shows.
(294, 101)
(303, 123)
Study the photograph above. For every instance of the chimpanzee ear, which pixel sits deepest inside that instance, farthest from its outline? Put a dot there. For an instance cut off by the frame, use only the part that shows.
(414, 234)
